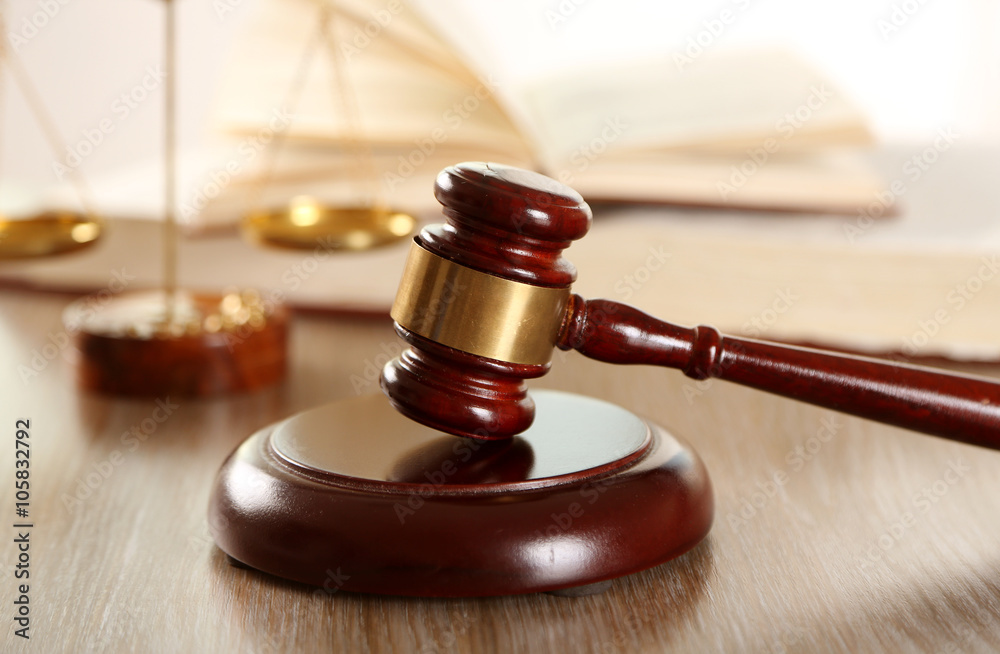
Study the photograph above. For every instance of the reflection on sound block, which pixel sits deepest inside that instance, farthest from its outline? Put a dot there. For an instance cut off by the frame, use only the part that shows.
(489, 462)
(589, 493)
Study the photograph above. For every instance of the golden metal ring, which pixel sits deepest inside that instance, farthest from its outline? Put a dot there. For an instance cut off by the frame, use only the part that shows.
(476, 312)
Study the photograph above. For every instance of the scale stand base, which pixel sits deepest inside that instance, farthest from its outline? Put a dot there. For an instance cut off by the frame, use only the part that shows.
(212, 344)
(353, 496)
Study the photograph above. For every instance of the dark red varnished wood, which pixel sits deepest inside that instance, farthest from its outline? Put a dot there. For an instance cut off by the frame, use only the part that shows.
(199, 364)
(460, 393)
(352, 496)
(957, 407)
(506, 222)
(513, 224)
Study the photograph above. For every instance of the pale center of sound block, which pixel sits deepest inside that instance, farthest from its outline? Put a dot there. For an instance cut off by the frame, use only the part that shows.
(366, 439)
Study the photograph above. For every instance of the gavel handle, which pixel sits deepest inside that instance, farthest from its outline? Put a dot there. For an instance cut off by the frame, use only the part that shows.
(952, 406)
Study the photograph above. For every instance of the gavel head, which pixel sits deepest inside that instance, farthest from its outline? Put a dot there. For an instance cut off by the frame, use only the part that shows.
(482, 300)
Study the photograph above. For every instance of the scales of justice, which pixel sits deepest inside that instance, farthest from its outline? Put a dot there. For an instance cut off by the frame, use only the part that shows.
(181, 342)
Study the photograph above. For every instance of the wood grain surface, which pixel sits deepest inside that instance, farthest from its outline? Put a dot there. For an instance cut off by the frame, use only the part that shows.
(868, 538)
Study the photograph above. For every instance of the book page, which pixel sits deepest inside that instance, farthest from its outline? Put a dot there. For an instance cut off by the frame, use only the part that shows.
(827, 180)
(458, 26)
(408, 85)
(723, 102)
(617, 113)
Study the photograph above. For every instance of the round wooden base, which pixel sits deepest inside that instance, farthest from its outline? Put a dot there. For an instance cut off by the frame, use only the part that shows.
(210, 345)
(353, 496)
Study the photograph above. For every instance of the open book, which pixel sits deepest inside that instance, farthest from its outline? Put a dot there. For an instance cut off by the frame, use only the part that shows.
(748, 130)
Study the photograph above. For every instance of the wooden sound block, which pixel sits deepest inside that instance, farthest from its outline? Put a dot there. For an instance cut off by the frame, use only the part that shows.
(353, 496)
(212, 344)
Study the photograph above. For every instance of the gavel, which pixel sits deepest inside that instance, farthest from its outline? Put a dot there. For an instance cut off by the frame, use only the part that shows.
(485, 298)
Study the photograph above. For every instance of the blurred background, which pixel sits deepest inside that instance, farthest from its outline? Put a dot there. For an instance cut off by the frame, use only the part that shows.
(912, 77)
(911, 65)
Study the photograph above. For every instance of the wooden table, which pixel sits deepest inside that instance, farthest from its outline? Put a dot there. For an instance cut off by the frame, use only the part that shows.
(832, 534)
